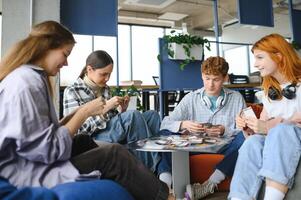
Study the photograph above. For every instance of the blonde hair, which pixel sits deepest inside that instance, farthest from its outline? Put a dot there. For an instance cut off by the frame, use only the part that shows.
(43, 37)
(215, 66)
(289, 64)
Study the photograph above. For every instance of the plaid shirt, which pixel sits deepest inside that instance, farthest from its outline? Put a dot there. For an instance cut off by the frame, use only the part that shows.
(78, 94)
(192, 108)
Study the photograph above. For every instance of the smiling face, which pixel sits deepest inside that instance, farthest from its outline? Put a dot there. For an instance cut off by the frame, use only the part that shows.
(213, 84)
(264, 63)
(55, 59)
(267, 66)
(100, 76)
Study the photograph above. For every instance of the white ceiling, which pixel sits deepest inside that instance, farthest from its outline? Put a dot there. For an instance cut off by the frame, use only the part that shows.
(198, 17)
(199, 14)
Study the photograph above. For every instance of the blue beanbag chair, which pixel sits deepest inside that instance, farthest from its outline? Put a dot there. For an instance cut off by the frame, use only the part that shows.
(10, 192)
(92, 190)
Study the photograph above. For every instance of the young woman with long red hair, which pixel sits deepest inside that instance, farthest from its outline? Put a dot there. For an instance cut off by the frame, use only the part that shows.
(271, 153)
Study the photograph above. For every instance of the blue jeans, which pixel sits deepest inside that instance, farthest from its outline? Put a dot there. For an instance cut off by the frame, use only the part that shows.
(230, 152)
(129, 127)
(275, 156)
(227, 165)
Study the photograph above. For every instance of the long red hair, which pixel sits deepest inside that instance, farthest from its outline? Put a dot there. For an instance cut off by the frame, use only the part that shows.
(289, 63)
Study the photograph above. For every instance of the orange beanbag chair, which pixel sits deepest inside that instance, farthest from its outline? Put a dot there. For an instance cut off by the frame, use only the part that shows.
(203, 165)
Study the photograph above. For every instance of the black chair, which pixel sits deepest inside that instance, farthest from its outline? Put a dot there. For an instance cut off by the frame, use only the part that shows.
(172, 98)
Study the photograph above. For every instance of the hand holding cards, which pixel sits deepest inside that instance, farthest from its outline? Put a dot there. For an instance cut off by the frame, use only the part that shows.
(248, 112)
(213, 130)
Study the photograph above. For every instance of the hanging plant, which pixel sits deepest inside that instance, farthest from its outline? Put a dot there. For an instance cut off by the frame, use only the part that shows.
(130, 91)
(187, 42)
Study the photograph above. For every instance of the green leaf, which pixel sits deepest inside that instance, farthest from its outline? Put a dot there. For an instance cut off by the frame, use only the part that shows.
(296, 45)
(187, 41)
(159, 58)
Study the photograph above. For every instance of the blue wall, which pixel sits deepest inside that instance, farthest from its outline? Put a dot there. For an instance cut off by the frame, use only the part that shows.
(90, 17)
(256, 12)
(172, 78)
(296, 23)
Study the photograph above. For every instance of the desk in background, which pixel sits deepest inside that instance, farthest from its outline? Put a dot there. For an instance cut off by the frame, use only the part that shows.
(148, 91)
(243, 86)
(247, 90)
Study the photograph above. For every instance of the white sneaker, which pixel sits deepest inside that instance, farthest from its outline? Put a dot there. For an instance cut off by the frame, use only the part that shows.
(166, 177)
(198, 191)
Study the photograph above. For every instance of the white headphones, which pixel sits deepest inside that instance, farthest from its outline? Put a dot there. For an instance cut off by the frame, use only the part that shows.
(221, 100)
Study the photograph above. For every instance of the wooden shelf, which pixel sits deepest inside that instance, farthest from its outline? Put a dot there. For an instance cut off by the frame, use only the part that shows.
(244, 85)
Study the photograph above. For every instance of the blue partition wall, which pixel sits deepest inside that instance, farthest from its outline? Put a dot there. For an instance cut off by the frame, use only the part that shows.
(256, 12)
(172, 78)
(296, 23)
(92, 17)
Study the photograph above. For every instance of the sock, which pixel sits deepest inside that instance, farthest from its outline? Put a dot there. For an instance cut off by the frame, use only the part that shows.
(166, 178)
(217, 177)
(234, 198)
(273, 193)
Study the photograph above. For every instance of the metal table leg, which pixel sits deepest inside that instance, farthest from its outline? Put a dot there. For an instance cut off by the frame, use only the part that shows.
(180, 172)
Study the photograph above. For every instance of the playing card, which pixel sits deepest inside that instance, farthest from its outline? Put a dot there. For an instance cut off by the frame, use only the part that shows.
(248, 112)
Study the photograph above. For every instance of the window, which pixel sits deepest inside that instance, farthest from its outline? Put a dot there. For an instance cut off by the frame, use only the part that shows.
(145, 48)
(137, 50)
(252, 61)
(108, 44)
(212, 51)
(76, 60)
(124, 52)
(138, 47)
(238, 60)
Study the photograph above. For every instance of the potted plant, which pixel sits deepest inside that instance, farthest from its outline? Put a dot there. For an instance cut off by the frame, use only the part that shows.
(131, 91)
(187, 43)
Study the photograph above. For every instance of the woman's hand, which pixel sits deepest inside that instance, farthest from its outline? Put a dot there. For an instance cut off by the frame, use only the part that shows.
(242, 124)
(192, 127)
(114, 102)
(95, 107)
(92, 108)
(257, 125)
(124, 105)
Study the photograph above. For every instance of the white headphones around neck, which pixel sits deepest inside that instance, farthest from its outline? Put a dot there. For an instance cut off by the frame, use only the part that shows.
(221, 100)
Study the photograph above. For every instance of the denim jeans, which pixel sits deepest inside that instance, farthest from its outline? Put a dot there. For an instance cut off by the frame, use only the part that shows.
(230, 151)
(131, 126)
(275, 156)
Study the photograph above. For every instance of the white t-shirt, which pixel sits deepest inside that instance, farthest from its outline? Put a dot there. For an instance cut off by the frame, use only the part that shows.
(284, 108)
